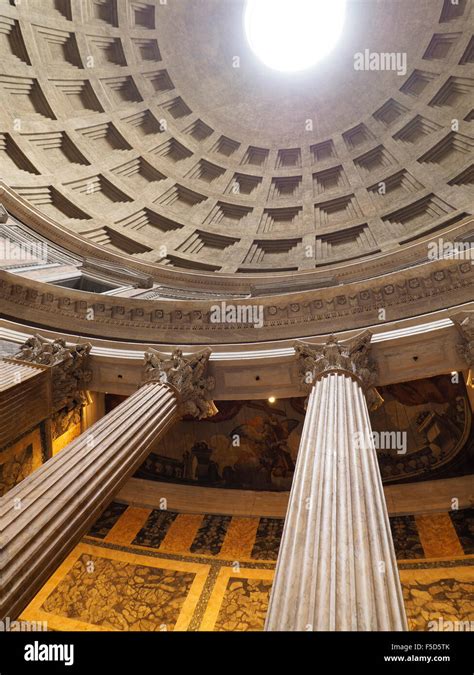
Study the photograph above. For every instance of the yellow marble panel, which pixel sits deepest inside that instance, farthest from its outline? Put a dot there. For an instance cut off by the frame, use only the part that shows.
(61, 622)
(227, 577)
(181, 533)
(66, 438)
(438, 536)
(240, 538)
(127, 526)
(434, 596)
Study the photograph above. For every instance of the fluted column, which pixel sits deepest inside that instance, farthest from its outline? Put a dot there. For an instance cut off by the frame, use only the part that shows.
(336, 568)
(43, 517)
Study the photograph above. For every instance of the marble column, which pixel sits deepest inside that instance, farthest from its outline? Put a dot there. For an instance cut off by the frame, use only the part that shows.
(44, 516)
(336, 568)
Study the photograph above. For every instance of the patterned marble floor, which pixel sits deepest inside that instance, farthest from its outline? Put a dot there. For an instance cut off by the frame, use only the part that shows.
(151, 570)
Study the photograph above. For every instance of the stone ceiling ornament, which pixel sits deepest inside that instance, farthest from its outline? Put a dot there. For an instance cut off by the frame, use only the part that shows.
(193, 214)
(69, 364)
(351, 356)
(465, 324)
(326, 309)
(63, 420)
(187, 375)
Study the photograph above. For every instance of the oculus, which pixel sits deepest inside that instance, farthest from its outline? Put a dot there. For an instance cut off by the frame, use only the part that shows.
(293, 35)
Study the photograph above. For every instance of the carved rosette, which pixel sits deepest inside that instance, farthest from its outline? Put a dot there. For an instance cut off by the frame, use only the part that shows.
(465, 325)
(69, 364)
(351, 357)
(285, 316)
(187, 375)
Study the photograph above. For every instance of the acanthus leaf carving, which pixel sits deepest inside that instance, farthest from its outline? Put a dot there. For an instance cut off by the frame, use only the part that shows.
(187, 375)
(350, 356)
(69, 364)
(465, 325)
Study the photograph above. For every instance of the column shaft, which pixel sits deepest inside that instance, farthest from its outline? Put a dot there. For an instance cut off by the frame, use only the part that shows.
(336, 568)
(44, 516)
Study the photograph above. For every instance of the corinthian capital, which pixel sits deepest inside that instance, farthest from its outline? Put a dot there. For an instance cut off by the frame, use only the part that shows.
(465, 324)
(69, 364)
(350, 356)
(187, 375)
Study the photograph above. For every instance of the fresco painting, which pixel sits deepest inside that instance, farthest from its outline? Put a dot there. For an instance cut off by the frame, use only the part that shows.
(253, 445)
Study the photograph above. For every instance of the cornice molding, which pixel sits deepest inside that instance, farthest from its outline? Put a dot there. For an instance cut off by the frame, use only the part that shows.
(437, 285)
(404, 350)
(406, 256)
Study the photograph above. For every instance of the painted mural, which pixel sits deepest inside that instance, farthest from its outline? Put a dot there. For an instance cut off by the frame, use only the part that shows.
(20, 459)
(253, 444)
(435, 416)
(247, 445)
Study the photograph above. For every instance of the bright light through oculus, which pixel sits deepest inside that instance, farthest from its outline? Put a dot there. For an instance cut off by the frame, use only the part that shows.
(292, 35)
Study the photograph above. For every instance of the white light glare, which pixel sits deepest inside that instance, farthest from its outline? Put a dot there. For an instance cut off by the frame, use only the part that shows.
(293, 35)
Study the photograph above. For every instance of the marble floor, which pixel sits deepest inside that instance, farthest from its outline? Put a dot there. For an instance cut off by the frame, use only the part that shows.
(151, 570)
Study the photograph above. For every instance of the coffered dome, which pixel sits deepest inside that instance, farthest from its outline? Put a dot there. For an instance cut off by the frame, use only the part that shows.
(153, 132)
(236, 317)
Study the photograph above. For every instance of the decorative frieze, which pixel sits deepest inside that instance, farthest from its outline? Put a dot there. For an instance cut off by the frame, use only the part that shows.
(438, 285)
